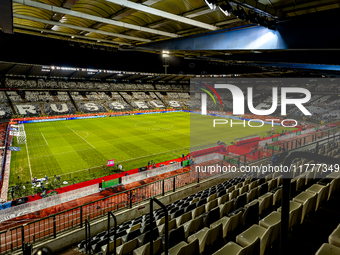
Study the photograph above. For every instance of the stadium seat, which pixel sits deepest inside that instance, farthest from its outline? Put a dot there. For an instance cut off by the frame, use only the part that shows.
(131, 235)
(193, 226)
(252, 194)
(111, 246)
(183, 218)
(190, 208)
(143, 238)
(334, 237)
(175, 236)
(263, 189)
(127, 248)
(251, 215)
(211, 197)
(277, 197)
(295, 213)
(211, 216)
(321, 191)
(232, 248)
(270, 220)
(233, 194)
(171, 225)
(198, 211)
(308, 202)
(328, 249)
(240, 201)
(211, 205)
(206, 237)
(229, 224)
(145, 249)
(267, 236)
(184, 248)
(226, 208)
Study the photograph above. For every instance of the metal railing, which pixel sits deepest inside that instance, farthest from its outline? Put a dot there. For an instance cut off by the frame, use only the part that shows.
(284, 146)
(52, 225)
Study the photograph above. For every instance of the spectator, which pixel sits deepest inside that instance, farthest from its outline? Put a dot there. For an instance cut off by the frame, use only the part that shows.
(46, 178)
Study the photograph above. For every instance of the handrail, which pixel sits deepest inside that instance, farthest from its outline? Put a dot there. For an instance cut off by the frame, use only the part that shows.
(88, 239)
(286, 191)
(114, 233)
(166, 225)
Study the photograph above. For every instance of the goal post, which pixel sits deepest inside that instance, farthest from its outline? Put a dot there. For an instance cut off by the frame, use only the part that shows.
(22, 134)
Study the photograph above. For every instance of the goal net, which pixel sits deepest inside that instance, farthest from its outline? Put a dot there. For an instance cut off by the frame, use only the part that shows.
(22, 134)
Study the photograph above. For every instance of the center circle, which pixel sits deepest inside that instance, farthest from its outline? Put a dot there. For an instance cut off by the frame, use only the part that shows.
(154, 125)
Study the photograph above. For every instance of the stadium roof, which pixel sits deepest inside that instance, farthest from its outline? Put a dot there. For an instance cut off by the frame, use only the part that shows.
(123, 23)
(34, 71)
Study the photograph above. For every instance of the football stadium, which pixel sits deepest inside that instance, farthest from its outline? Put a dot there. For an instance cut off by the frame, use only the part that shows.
(197, 127)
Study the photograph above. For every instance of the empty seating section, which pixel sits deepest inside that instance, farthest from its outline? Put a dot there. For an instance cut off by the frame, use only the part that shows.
(236, 216)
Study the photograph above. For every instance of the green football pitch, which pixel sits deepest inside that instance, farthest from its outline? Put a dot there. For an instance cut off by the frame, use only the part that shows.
(79, 149)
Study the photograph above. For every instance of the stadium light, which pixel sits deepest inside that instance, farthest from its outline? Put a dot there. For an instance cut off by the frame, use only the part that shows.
(212, 4)
(226, 8)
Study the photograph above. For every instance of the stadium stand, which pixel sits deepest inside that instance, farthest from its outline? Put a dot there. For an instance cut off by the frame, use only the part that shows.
(5, 111)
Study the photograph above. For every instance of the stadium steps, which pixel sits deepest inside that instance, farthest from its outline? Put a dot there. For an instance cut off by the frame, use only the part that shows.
(41, 105)
(55, 98)
(11, 104)
(72, 101)
(102, 102)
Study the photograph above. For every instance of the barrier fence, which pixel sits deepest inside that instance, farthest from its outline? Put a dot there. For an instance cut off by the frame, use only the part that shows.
(52, 225)
(283, 146)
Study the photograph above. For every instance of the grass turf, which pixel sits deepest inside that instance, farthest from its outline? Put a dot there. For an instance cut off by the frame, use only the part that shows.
(73, 147)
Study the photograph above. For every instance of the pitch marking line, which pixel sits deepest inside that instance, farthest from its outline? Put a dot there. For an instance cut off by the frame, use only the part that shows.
(28, 156)
(80, 137)
(44, 138)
